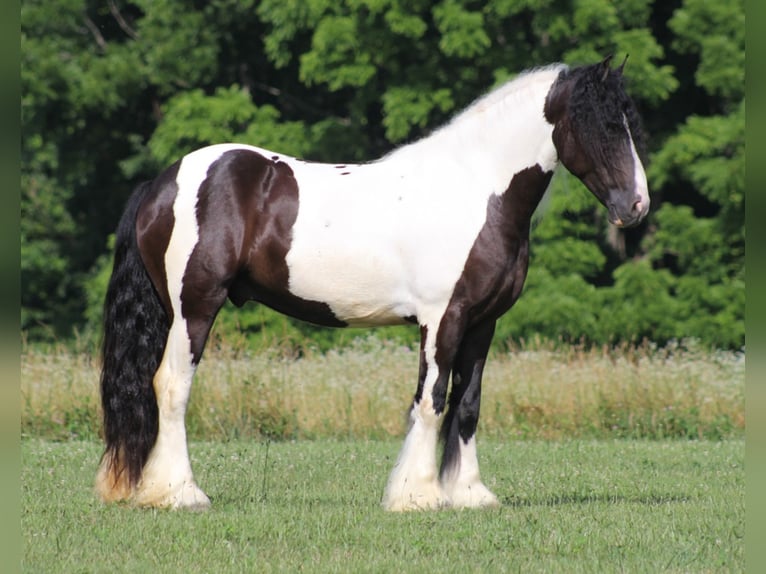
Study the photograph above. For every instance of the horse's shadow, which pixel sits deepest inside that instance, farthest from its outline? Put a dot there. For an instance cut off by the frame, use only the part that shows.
(591, 498)
(507, 502)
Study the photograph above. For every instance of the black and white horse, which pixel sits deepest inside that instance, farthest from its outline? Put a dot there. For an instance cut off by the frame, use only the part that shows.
(436, 234)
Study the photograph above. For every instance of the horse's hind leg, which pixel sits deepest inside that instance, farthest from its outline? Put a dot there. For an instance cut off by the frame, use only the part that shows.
(459, 473)
(167, 477)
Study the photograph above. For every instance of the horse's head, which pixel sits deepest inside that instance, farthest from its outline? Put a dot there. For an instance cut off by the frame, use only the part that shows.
(596, 133)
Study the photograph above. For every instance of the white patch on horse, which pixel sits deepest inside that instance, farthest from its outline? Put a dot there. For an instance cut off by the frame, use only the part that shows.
(639, 175)
(390, 239)
(414, 482)
(463, 484)
(167, 479)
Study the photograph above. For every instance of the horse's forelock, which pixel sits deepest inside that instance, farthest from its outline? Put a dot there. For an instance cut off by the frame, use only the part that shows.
(598, 107)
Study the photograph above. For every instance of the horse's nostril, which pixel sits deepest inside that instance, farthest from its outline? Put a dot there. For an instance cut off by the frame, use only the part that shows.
(637, 206)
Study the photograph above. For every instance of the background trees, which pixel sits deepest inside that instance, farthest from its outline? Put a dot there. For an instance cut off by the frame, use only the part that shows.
(112, 92)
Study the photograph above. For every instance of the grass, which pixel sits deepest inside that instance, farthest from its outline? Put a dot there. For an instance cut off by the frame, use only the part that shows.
(681, 391)
(295, 452)
(313, 506)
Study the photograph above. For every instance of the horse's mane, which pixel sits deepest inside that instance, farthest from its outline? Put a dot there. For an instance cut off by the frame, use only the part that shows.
(513, 90)
(597, 105)
(514, 87)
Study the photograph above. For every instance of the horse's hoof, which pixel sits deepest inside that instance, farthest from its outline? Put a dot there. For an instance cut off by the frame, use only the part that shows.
(186, 497)
(474, 495)
(429, 499)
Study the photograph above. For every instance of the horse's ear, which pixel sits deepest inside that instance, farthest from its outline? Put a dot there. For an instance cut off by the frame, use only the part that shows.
(605, 66)
(622, 66)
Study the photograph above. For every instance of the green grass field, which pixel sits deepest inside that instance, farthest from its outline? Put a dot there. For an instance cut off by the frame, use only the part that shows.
(313, 506)
(605, 460)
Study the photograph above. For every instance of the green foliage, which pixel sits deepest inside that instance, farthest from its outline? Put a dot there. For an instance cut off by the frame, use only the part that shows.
(168, 33)
(112, 92)
(709, 153)
(570, 255)
(95, 289)
(335, 58)
(568, 226)
(255, 327)
(406, 108)
(463, 33)
(192, 120)
(640, 306)
(46, 228)
(562, 308)
(695, 243)
(715, 32)
(713, 311)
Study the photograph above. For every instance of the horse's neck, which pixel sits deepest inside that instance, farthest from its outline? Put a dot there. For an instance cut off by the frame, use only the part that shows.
(497, 136)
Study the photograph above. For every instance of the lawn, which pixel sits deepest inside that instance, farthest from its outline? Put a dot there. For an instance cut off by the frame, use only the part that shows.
(605, 460)
(313, 505)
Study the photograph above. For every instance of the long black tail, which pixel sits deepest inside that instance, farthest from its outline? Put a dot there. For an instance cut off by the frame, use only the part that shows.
(135, 331)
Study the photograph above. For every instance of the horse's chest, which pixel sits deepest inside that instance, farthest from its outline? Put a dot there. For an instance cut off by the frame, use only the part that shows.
(493, 275)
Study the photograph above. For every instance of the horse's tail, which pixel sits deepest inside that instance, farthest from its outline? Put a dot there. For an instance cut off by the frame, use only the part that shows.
(135, 331)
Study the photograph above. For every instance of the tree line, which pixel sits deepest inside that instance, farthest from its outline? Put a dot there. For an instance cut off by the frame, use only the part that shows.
(114, 91)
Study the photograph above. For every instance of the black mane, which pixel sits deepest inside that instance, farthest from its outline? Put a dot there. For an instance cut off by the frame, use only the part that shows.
(597, 104)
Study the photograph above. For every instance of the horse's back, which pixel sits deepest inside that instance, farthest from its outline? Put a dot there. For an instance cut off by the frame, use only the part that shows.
(376, 243)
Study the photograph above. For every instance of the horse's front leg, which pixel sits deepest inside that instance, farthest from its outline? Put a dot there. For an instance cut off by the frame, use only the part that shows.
(459, 473)
(414, 482)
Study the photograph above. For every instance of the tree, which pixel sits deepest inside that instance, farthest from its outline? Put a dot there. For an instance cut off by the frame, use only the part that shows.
(700, 169)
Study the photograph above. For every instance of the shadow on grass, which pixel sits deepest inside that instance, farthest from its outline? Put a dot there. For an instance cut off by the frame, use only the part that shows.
(605, 498)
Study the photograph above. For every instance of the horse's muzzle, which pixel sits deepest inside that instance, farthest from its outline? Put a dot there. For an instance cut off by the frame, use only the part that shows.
(628, 215)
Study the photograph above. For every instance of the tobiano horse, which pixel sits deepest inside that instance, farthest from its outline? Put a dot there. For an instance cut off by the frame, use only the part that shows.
(436, 234)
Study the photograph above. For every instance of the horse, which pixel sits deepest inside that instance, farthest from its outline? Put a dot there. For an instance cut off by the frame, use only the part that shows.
(433, 234)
